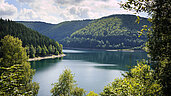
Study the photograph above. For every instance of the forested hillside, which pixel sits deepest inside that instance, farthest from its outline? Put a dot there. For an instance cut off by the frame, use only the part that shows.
(112, 32)
(36, 44)
(56, 31)
(37, 25)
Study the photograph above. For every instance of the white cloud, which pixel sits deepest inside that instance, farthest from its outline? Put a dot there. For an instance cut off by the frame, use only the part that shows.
(39, 11)
(7, 10)
(68, 2)
(27, 14)
(100, 8)
(55, 11)
(25, 1)
(79, 12)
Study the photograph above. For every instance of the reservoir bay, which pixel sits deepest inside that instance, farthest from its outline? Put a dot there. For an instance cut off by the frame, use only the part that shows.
(93, 69)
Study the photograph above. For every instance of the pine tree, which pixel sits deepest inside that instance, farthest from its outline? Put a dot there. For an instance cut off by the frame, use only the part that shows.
(38, 51)
(32, 51)
(50, 49)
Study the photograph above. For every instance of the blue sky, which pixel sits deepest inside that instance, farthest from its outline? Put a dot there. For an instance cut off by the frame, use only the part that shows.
(56, 11)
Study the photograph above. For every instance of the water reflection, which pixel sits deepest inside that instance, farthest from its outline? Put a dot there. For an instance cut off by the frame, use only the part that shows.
(122, 60)
(44, 64)
(93, 69)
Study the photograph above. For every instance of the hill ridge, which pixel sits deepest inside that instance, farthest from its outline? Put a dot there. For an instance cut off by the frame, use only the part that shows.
(65, 30)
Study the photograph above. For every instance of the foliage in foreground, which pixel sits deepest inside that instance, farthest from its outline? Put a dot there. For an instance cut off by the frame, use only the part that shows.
(36, 44)
(91, 93)
(137, 82)
(159, 37)
(15, 72)
(66, 85)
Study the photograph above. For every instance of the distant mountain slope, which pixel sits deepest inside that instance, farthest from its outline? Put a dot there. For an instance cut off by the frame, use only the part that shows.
(111, 32)
(56, 31)
(29, 37)
(36, 25)
(129, 21)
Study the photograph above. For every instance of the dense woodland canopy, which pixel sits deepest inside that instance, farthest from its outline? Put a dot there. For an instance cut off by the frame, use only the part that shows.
(56, 31)
(112, 32)
(35, 43)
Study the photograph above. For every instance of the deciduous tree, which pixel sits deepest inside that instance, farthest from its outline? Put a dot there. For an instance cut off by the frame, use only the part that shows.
(66, 85)
(159, 42)
(15, 72)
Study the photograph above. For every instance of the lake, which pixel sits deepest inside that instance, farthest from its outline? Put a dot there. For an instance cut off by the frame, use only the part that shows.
(93, 69)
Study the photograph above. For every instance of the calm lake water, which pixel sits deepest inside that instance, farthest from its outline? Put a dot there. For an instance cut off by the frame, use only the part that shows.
(92, 69)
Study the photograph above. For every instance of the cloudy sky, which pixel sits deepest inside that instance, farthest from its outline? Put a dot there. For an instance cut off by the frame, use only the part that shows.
(55, 11)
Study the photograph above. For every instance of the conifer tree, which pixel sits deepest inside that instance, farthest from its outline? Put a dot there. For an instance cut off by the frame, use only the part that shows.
(32, 51)
(38, 50)
(50, 49)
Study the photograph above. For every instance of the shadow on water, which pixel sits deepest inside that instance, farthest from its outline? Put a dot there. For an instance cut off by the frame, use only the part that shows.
(44, 64)
(122, 60)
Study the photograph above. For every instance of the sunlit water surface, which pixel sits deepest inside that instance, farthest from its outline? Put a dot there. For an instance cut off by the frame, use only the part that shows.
(92, 69)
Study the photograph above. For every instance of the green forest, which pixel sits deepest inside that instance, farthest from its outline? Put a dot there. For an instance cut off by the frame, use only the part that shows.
(35, 43)
(57, 31)
(112, 32)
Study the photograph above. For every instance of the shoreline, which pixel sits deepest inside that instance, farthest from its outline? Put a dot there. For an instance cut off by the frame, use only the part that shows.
(46, 57)
(125, 50)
